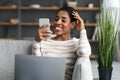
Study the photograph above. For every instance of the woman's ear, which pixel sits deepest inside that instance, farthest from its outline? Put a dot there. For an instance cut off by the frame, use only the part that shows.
(73, 24)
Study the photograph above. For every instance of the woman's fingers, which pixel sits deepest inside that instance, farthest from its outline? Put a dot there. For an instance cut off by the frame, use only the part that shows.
(41, 33)
(79, 22)
(76, 15)
(45, 26)
(47, 31)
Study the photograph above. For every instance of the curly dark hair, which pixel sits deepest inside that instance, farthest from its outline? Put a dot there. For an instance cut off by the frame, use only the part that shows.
(69, 10)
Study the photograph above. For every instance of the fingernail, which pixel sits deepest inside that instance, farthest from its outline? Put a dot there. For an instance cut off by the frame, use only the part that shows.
(51, 32)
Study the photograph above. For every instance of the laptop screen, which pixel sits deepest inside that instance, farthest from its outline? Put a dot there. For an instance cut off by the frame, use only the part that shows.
(29, 67)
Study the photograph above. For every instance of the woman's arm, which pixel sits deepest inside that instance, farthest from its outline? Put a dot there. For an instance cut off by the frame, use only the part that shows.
(36, 48)
(82, 68)
(41, 35)
(84, 48)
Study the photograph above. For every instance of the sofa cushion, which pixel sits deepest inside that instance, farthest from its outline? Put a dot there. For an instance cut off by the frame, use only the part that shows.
(8, 49)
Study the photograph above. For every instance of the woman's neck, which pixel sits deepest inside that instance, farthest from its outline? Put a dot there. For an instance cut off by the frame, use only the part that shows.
(62, 37)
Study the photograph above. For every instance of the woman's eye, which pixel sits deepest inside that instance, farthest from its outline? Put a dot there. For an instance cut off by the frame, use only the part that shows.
(56, 19)
(64, 21)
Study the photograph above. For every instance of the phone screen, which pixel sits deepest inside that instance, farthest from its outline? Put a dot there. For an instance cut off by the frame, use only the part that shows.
(43, 21)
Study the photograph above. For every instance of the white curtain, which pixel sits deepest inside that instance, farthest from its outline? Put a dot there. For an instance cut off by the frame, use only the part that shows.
(114, 6)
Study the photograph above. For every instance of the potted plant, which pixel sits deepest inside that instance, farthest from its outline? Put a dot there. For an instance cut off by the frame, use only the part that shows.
(106, 40)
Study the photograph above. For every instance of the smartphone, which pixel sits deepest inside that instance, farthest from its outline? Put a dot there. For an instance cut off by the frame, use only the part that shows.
(43, 21)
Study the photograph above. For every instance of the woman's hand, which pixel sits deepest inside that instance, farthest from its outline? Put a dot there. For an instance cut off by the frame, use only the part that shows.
(42, 33)
(79, 22)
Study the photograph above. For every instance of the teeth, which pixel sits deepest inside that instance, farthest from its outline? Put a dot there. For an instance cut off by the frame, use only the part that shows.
(58, 28)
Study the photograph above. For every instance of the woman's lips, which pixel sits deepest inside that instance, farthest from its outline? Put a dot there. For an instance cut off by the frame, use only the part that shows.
(58, 28)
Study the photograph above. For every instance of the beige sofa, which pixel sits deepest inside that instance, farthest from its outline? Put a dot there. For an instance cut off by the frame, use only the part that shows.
(8, 49)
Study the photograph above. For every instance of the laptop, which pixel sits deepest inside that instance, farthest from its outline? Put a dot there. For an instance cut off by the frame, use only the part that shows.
(30, 67)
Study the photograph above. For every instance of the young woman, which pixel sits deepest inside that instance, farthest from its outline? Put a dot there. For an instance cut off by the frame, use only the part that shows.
(75, 51)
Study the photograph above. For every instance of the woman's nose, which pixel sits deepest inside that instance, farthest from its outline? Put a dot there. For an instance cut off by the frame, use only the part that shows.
(59, 22)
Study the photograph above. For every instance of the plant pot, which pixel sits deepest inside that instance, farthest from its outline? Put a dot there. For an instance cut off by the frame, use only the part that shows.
(105, 73)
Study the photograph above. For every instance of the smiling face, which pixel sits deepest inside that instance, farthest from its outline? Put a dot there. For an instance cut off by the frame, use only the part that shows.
(62, 23)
